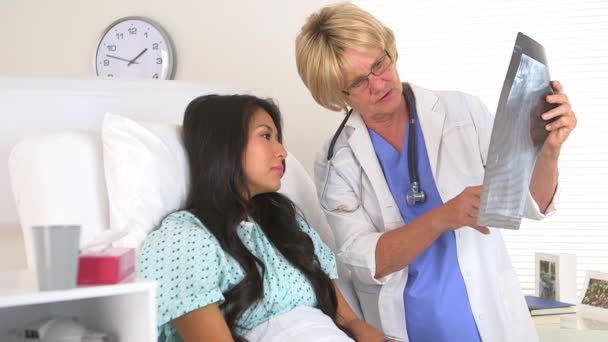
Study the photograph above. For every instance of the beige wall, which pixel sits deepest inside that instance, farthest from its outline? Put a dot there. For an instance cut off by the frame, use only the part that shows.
(247, 44)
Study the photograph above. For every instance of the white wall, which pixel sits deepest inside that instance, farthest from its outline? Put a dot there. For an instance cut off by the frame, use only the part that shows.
(237, 43)
(248, 44)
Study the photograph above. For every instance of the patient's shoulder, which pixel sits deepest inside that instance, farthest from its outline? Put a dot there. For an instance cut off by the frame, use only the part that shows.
(179, 228)
(182, 219)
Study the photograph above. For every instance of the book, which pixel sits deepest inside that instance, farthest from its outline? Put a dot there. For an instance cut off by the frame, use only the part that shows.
(541, 306)
(547, 321)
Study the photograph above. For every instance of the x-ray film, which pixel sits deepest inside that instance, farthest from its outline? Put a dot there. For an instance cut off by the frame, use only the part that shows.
(517, 136)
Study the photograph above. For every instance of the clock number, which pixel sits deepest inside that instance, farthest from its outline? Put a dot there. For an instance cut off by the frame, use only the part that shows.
(155, 46)
(155, 76)
(106, 62)
(159, 60)
(133, 30)
(110, 75)
(146, 34)
(119, 36)
(112, 47)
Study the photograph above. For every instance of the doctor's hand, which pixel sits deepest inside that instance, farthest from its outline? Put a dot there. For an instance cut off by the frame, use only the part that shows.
(462, 211)
(565, 121)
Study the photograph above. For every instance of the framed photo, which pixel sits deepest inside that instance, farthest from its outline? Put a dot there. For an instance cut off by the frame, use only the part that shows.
(594, 296)
(555, 277)
(546, 276)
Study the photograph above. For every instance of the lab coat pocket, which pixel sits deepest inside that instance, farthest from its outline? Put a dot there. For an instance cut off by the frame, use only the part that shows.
(341, 191)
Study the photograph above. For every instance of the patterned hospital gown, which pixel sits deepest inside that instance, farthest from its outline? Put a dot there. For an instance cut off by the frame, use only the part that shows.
(192, 271)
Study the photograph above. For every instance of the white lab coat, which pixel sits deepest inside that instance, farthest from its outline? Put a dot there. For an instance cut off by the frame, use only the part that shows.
(359, 207)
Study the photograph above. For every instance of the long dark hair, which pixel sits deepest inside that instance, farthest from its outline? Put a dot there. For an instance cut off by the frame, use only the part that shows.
(215, 134)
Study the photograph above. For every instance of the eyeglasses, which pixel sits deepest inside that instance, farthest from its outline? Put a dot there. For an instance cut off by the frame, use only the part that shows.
(361, 83)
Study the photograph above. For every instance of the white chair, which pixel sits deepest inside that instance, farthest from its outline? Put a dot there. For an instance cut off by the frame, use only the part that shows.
(58, 177)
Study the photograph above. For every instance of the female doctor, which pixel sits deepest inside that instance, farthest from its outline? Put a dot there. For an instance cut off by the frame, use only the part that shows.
(399, 183)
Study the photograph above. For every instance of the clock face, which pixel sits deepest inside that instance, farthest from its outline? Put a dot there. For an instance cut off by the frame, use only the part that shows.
(134, 47)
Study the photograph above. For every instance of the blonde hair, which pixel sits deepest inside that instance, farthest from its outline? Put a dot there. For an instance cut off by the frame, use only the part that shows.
(322, 42)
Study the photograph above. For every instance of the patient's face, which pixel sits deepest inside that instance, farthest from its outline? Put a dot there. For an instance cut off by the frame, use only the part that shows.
(263, 156)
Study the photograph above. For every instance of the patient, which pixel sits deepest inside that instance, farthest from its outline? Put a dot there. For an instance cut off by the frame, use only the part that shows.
(240, 263)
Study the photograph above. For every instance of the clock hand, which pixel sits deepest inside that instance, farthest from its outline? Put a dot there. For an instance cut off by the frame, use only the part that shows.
(119, 58)
(136, 57)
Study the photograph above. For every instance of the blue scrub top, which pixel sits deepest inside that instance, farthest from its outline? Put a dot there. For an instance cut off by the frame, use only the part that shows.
(436, 302)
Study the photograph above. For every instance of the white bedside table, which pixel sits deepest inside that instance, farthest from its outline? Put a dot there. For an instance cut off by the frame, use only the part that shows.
(576, 329)
(126, 310)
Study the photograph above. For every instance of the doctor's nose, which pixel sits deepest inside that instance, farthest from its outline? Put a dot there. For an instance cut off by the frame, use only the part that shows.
(375, 82)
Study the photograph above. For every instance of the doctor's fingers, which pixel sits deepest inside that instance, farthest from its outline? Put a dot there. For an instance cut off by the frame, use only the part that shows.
(472, 210)
(472, 222)
(468, 211)
(557, 86)
(472, 197)
(566, 123)
(564, 108)
(467, 204)
(481, 229)
(453, 214)
(474, 191)
(560, 99)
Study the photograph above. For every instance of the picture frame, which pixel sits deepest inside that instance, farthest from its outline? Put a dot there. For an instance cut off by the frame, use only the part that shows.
(555, 277)
(593, 302)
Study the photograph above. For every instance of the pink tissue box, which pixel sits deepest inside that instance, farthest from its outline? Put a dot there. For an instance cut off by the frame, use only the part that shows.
(109, 266)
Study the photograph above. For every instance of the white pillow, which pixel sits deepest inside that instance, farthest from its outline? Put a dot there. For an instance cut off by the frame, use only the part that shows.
(147, 177)
(146, 172)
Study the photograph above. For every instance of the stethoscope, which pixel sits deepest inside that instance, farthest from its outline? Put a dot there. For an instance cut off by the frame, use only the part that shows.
(415, 194)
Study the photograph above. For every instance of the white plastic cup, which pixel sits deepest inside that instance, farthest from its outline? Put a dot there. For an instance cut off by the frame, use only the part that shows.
(56, 249)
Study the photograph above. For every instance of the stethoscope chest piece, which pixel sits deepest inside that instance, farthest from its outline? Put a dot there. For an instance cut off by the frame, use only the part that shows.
(415, 195)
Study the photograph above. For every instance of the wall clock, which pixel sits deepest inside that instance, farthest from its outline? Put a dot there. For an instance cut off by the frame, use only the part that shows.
(135, 47)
